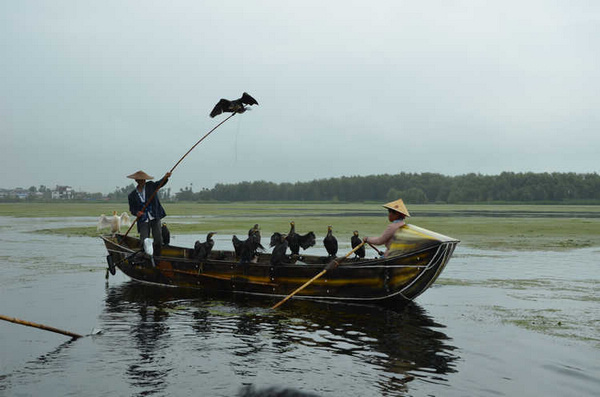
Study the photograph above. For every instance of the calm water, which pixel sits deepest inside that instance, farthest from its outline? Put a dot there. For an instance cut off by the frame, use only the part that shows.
(496, 323)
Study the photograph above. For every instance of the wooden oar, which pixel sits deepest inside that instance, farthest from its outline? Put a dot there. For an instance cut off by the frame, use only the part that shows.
(40, 326)
(376, 249)
(163, 180)
(332, 265)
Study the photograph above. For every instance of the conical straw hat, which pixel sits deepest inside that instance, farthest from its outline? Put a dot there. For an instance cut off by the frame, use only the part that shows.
(397, 206)
(140, 175)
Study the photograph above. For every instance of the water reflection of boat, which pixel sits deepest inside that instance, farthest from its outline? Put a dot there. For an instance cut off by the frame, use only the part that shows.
(394, 346)
(417, 258)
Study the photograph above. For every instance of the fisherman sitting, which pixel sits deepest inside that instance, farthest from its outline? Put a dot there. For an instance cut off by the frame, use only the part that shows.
(396, 213)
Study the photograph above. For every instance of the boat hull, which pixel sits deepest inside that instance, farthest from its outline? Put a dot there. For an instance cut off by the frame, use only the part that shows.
(416, 262)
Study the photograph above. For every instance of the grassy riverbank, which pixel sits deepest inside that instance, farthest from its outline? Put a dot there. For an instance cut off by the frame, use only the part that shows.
(523, 227)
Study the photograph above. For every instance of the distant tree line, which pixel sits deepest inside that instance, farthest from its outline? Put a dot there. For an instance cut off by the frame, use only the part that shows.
(413, 188)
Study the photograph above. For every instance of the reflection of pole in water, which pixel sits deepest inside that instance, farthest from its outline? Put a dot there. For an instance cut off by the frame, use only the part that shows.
(52, 358)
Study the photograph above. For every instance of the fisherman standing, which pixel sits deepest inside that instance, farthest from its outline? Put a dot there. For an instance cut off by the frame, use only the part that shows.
(148, 219)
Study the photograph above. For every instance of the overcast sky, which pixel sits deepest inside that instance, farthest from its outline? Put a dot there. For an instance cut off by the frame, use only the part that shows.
(91, 91)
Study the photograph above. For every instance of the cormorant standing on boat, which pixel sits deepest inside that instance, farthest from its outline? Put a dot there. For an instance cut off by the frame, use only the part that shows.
(278, 256)
(330, 242)
(246, 250)
(256, 232)
(293, 239)
(166, 234)
(202, 250)
(355, 241)
(237, 245)
(254, 229)
(237, 105)
(296, 240)
(275, 238)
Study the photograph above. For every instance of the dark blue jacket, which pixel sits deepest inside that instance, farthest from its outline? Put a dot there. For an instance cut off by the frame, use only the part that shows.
(136, 204)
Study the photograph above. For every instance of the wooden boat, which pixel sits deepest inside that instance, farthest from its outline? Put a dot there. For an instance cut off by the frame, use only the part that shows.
(417, 257)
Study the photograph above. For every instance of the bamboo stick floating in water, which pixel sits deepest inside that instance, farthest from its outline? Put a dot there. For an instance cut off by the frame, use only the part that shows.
(40, 326)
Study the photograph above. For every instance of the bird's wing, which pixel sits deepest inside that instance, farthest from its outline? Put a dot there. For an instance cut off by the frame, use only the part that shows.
(104, 222)
(248, 100)
(125, 221)
(308, 240)
(219, 107)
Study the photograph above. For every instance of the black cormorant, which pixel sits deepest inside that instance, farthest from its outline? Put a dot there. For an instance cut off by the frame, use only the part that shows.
(256, 232)
(330, 242)
(246, 250)
(355, 241)
(278, 256)
(202, 250)
(297, 241)
(166, 234)
(275, 239)
(237, 105)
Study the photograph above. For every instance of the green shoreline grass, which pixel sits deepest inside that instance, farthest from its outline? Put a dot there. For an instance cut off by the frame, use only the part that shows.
(499, 227)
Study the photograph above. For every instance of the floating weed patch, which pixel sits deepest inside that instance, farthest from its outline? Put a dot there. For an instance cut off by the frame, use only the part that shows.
(570, 243)
(456, 282)
(463, 255)
(586, 292)
(553, 322)
(71, 231)
(522, 284)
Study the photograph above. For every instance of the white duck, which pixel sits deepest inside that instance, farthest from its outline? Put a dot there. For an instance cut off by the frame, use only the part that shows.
(114, 222)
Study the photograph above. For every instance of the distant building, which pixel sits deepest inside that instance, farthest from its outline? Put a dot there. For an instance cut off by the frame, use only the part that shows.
(17, 193)
(21, 194)
(63, 193)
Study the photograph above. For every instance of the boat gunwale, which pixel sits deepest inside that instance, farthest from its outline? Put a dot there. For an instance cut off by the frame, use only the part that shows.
(436, 263)
(375, 263)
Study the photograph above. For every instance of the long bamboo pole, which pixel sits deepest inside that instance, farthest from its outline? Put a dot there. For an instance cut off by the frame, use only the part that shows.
(332, 265)
(40, 326)
(164, 179)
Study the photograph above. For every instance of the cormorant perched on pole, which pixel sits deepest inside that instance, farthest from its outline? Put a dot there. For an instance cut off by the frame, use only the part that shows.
(202, 250)
(330, 242)
(237, 105)
(355, 241)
